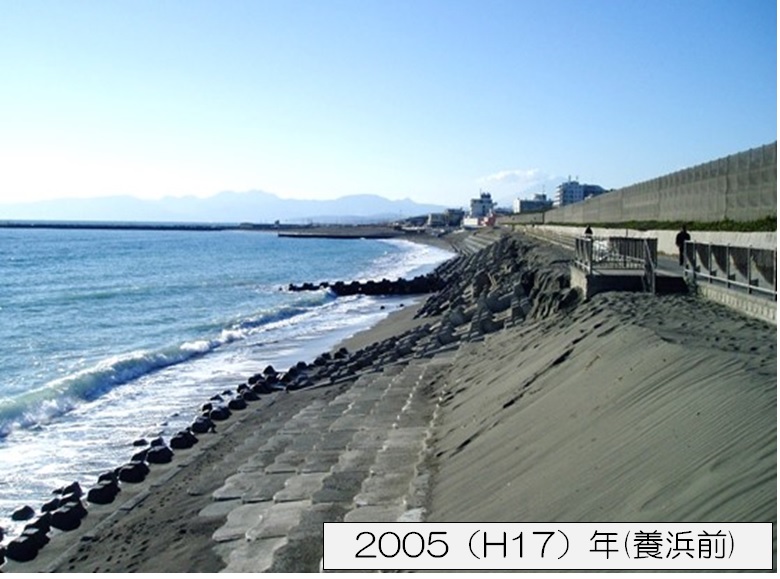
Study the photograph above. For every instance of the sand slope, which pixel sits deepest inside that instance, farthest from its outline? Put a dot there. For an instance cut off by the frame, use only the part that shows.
(630, 408)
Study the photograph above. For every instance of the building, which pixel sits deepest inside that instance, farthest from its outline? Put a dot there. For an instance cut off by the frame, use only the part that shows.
(481, 207)
(477, 222)
(574, 192)
(540, 202)
(454, 217)
(437, 220)
(450, 218)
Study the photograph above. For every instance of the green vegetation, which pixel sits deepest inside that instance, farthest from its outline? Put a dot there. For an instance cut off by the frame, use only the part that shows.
(768, 223)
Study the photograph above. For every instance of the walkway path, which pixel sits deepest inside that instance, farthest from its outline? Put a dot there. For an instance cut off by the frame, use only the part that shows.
(359, 457)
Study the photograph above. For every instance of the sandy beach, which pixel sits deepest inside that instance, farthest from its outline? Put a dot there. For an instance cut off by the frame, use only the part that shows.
(628, 407)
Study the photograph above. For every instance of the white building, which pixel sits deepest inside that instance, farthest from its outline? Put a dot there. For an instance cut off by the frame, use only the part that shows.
(538, 203)
(481, 207)
(574, 192)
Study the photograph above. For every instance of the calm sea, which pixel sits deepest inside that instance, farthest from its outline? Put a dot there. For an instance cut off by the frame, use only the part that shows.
(108, 336)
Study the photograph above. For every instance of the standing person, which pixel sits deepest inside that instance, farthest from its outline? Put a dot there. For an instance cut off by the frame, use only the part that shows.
(680, 240)
(588, 231)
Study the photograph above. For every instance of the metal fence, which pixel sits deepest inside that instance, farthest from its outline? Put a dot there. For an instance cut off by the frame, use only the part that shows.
(551, 236)
(743, 268)
(616, 253)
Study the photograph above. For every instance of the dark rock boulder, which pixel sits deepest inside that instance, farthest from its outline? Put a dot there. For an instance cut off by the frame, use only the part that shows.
(159, 455)
(37, 534)
(51, 505)
(24, 513)
(43, 522)
(103, 492)
(133, 472)
(237, 404)
(22, 549)
(140, 455)
(202, 425)
(249, 396)
(108, 476)
(183, 440)
(220, 413)
(68, 516)
(73, 488)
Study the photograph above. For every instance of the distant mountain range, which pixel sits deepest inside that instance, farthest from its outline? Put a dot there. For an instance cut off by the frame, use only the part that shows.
(226, 207)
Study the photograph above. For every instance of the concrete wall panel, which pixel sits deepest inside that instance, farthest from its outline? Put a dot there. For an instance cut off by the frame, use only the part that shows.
(740, 187)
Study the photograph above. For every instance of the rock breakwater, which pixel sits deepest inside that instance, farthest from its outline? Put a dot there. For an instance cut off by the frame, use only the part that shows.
(421, 284)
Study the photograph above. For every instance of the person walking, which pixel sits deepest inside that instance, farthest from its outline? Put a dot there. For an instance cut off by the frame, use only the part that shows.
(680, 240)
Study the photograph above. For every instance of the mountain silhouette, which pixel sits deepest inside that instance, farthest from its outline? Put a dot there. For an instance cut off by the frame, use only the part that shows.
(225, 207)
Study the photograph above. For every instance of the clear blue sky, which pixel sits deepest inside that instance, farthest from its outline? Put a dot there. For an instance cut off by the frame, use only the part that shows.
(428, 99)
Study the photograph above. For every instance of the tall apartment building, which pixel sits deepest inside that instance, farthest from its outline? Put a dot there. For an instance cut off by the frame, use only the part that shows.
(538, 203)
(574, 192)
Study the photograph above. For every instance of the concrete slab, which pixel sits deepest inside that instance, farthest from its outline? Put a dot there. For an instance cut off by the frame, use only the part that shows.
(340, 487)
(240, 520)
(320, 461)
(359, 459)
(371, 438)
(300, 487)
(278, 521)
(396, 461)
(265, 487)
(259, 461)
(287, 461)
(384, 489)
(408, 438)
(374, 514)
(254, 557)
(336, 439)
(234, 487)
(348, 422)
(306, 441)
(219, 509)
(283, 467)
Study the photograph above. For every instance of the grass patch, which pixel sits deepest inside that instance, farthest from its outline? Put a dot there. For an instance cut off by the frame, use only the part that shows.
(768, 223)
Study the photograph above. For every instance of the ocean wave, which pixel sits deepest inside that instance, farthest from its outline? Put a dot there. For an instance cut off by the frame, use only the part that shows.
(409, 259)
(62, 395)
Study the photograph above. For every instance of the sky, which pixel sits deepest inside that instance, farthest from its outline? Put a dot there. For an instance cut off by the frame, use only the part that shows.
(433, 100)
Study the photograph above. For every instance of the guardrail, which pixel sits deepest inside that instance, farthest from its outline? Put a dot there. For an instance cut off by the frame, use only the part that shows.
(616, 253)
(551, 236)
(743, 268)
(651, 263)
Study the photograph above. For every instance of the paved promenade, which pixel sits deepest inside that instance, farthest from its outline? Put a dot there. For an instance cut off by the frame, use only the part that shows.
(358, 457)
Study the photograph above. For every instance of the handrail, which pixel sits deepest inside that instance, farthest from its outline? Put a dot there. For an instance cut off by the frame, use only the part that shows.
(748, 269)
(615, 252)
(583, 252)
(651, 260)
